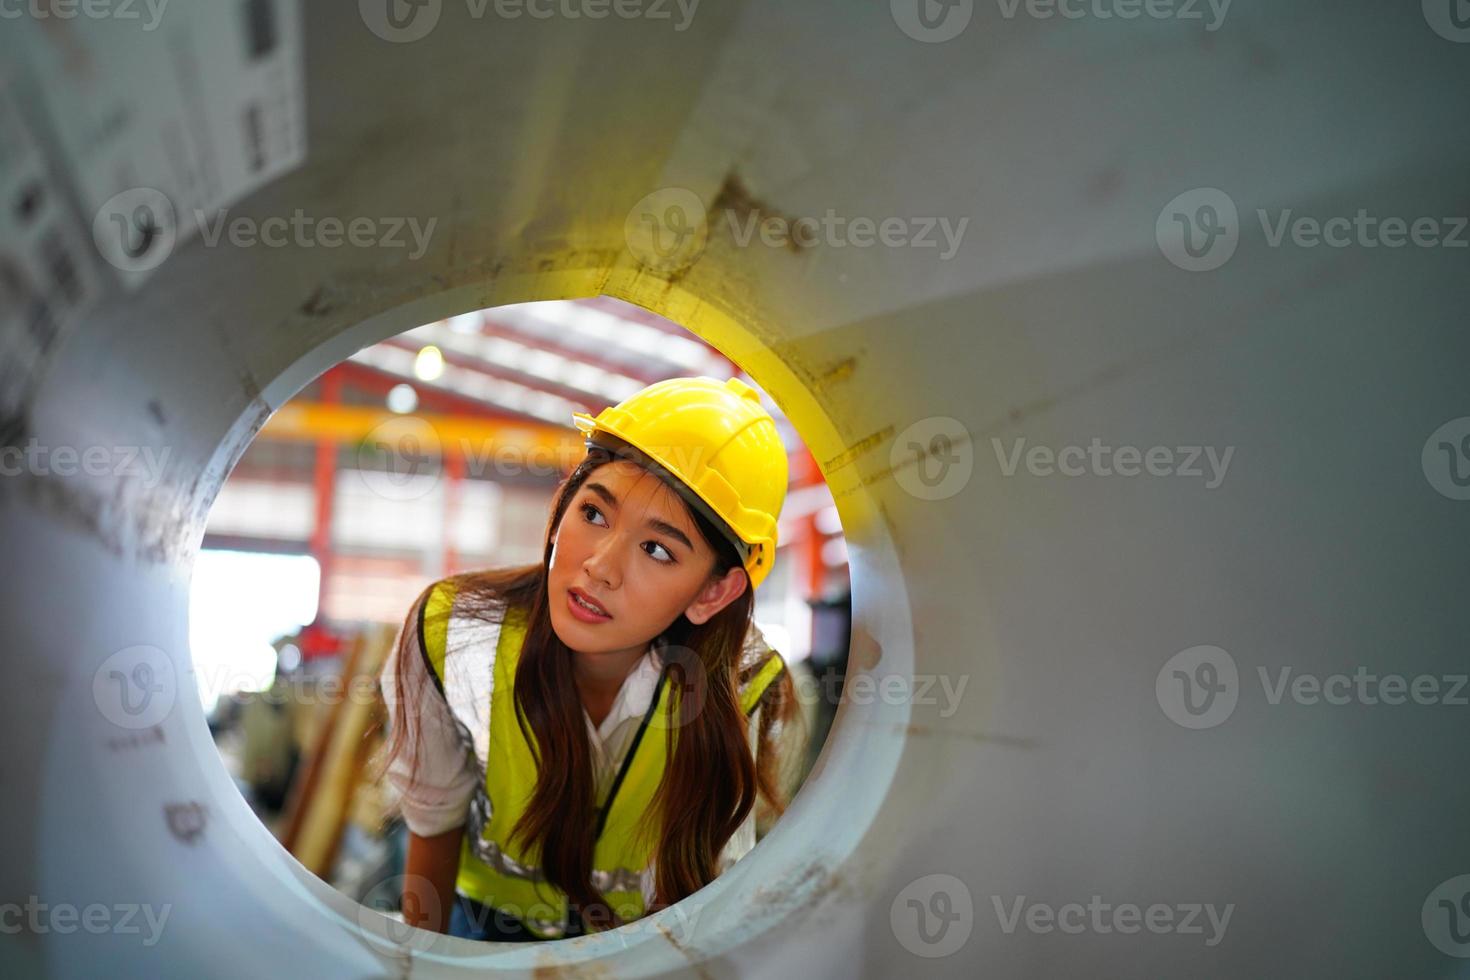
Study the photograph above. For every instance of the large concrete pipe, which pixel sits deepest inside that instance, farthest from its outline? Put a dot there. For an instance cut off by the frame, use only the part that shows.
(1134, 777)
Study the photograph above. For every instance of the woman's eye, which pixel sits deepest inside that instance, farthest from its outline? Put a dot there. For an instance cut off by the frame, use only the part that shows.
(587, 509)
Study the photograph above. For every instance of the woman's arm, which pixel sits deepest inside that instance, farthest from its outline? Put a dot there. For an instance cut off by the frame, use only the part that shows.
(433, 774)
(428, 879)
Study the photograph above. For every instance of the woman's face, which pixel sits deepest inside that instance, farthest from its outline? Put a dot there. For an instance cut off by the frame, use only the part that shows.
(628, 544)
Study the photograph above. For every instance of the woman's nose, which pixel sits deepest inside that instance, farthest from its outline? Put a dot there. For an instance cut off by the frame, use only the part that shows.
(602, 563)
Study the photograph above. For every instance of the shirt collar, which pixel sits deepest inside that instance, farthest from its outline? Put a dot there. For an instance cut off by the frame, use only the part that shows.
(635, 695)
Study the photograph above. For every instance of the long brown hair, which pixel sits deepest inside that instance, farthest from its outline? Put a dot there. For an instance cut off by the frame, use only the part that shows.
(711, 781)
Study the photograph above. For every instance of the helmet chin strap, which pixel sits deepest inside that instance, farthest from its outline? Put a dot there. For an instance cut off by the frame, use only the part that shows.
(611, 444)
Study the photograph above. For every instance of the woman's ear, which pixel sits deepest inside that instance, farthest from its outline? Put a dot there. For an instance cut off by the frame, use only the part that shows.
(716, 595)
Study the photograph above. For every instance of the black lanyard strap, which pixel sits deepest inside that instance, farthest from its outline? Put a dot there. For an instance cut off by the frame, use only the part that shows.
(612, 792)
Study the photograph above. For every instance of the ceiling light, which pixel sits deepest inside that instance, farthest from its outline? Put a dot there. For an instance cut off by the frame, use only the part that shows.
(402, 399)
(429, 364)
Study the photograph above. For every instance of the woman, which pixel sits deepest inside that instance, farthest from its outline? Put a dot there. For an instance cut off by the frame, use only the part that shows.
(583, 740)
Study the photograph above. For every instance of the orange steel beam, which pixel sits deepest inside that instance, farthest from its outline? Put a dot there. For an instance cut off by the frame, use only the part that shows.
(450, 434)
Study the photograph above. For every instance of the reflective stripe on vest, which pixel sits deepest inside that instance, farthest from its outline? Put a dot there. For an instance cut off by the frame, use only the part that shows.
(503, 876)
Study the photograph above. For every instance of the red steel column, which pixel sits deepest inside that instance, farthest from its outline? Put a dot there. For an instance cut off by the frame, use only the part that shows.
(454, 481)
(325, 486)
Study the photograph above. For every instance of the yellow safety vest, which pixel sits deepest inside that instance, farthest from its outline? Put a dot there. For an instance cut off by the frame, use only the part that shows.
(503, 875)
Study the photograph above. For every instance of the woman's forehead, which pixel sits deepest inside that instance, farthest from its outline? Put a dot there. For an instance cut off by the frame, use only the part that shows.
(635, 487)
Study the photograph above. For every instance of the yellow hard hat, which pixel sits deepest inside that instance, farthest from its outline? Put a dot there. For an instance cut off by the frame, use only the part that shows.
(720, 445)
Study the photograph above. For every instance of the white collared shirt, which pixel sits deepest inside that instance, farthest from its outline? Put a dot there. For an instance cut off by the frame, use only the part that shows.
(610, 739)
(448, 771)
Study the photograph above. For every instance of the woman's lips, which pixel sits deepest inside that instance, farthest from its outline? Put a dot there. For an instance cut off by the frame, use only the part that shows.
(582, 612)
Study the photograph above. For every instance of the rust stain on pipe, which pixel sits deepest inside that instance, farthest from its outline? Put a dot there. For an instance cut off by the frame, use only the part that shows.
(694, 962)
(865, 445)
(186, 821)
(805, 888)
(735, 199)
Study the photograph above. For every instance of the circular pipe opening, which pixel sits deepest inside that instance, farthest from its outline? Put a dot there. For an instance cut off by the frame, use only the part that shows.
(795, 864)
